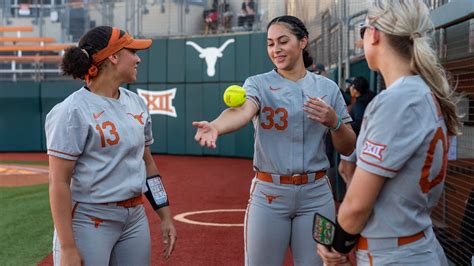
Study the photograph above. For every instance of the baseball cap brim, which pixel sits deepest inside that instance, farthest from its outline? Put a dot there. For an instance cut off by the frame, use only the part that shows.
(139, 44)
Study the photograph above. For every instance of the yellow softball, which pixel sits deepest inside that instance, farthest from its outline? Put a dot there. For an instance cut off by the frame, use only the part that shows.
(234, 96)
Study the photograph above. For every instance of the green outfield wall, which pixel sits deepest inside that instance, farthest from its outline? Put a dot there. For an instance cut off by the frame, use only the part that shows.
(20, 116)
(171, 66)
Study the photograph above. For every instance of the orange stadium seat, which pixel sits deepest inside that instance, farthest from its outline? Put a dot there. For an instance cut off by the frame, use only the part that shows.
(16, 28)
(30, 58)
(32, 48)
(28, 39)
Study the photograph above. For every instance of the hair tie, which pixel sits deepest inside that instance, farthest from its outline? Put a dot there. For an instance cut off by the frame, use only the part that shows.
(415, 35)
(85, 51)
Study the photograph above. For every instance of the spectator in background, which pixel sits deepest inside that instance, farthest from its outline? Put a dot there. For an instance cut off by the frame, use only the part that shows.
(211, 18)
(210, 21)
(246, 17)
(359, 89)
(227, 18)
(347, 92)
(318, 69)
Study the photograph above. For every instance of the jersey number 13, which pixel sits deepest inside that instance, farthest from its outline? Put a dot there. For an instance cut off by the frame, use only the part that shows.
(110, 126)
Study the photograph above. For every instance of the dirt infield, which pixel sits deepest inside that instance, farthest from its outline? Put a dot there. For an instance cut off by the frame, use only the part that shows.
(38, 156)
(14, 175)
(197, 184)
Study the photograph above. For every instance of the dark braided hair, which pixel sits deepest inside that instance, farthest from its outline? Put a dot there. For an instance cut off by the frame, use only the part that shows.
(298, 28)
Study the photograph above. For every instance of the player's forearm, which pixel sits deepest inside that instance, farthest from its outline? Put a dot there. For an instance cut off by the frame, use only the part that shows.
(228, 121)
(61, 210)
(344, 139)
(359, 201)
(233, 119)
(150, 165)
(164, 213)
(352, 217)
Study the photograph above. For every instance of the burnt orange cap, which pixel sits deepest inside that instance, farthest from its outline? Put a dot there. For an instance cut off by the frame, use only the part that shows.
(116, 43)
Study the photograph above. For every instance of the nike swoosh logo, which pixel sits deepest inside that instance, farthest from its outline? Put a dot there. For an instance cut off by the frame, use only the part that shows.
(274, 89)
(96, 116)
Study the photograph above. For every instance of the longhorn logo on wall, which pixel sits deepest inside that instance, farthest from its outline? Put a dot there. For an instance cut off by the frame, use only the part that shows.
(210, 54)
(159, 102)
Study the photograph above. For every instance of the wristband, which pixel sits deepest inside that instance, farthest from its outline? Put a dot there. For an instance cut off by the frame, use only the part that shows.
(338, 125)
(343, 241)
(156, 193)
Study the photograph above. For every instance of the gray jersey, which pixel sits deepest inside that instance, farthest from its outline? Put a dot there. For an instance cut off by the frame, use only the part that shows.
(286, 140)
(404, 139)
(107, 137)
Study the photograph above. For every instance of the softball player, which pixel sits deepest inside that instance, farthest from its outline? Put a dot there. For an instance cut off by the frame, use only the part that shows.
(291, 109)
(402, 147)
(99, 159)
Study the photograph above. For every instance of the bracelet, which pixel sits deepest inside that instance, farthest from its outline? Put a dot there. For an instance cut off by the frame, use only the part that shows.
(339, 122)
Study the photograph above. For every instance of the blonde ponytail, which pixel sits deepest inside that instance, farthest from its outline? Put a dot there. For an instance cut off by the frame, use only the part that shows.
(406, 24)
(425, 63)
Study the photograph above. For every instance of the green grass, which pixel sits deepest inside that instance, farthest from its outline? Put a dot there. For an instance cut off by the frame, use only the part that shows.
(23, 162)
(26, 227)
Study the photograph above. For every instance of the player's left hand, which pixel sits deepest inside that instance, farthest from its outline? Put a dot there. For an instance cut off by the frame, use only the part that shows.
(169, 237)
(332, 257)
(321, 112)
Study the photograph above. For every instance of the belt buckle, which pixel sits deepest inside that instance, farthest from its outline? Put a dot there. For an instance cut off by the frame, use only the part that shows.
(297, 179)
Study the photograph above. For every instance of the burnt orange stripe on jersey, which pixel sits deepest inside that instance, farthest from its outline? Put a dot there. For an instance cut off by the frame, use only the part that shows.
(74, 209)
(371, 155)
(378, 166)
(63, 153)
(247, 222)
(254, 100)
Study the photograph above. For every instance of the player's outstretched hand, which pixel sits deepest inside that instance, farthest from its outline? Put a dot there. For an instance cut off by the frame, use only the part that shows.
(169, 237)
(71, 257)
(321, 112)
(206, 134)
(332, 257)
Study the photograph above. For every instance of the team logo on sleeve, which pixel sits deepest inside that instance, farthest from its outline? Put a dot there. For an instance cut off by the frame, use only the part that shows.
(373, 149)
(159, 102)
